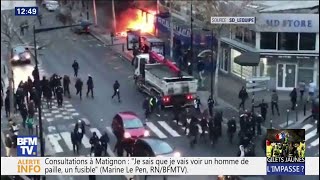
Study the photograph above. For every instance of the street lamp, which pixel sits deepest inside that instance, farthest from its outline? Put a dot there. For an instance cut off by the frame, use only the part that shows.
(190, 64)
(212, 53)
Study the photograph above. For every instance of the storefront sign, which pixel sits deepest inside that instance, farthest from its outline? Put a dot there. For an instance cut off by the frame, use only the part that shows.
(287, 23)
(293, 57)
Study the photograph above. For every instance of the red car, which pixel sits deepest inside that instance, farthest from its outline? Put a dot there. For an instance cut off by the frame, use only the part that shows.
(127, 125)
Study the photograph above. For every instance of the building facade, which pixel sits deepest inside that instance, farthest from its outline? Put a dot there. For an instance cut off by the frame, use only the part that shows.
(288, 45)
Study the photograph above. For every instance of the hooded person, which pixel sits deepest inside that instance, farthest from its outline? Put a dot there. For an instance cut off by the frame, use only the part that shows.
(79, 130)
(78, 87)
(90, 85)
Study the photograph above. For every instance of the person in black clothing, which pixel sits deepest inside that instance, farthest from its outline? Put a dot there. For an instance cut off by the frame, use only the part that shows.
(135, 53)
(232, 128)
(66, 83)
(194, 131)
(75, 142)
(293, 96)
(98, 149)
(263, 110)
(211, 131)
(203, 125)
(217, 120)
(90, 86)
(59, 93)
(35, 74)
(243, 96)
(47, 93)
(7, 106)
(116, 91)
(24, 114)
(93, 141)
(79, 130)
(78, 87)
(146, 107)
(197, 103)
(119, 148)
(104, 140)
(75, 67)
(258, 119)
(210, 105)
(44, 83)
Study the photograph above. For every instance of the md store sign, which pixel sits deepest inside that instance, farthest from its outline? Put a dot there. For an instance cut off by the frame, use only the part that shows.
(287, 23)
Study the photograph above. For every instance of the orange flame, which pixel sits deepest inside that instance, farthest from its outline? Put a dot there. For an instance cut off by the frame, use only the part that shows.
(142, 21)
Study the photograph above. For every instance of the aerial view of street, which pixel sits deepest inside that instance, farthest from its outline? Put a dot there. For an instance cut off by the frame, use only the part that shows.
(94, 77)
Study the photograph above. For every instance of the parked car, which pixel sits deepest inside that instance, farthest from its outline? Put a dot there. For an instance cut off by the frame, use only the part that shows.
(127, 125)
(20, 55)
(51, 5)
(153, 147)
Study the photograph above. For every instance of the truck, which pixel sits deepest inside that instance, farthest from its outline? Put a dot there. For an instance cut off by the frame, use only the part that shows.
(157, 76)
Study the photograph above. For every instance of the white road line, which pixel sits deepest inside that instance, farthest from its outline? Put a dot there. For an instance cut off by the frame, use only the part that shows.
(51, 129)
(58, 116)
(86, 142)
(307, 127)
(311, 134)
(75, 114)
(66, 136)
(171, 131)
(72, 110)
(49, 119)
(47, 114)
(66, 117)
(109, 130)
(68, 105)
(97, 131)
(315, 142)
(282, 125)
(157, 131)
(55, 111)
(54, 141)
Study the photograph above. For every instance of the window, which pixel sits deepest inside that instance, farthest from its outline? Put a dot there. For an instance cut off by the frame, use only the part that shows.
(268, 40)
(288, 41)
(239, 33)
(250, 37)
(307, 41)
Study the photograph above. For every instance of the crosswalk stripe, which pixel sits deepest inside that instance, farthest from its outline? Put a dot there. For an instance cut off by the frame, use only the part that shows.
(282, 125)
(310, 134)
(86, 142)
(157, 131)
(97, 131)
(66, 136)
(306, 127)
(169, 129)
(315, 142)
(54, 141)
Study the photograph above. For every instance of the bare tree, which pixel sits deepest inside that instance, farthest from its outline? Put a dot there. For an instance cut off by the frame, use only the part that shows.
(8, 33)
(221, 8)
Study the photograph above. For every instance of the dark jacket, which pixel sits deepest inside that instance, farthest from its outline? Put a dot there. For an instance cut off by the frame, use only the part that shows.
(104, 139)
(7, 103)
(94, 139)
(79, 84)
(44, 83)
(293, 95)
(116, 86)
(75, 65)
(8, 142)
(90, 83)
(232, 126)
(66, 81)
(263, 107)
(79, 126)
(98, 150)
(74, 138)
(243, 94)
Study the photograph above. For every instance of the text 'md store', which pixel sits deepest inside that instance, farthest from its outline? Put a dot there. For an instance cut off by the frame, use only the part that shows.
(282, 46)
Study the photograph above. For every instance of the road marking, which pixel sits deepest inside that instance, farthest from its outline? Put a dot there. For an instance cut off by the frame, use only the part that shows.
(75, 114)
(58, 116)
(47, 114)
(98, 45)
(55, 111)
(66, 117)
(66, 136)
(86, 142)
(49, 119)
(86, 121)
(307, 127)
(156, 130)
(109, 130)
(72, 110)
(68, 105)
(171, 131)
(51, 129)
(64, 113)
(311, 134)
(97, 131)
(315, 142)
(290, 122)
(54, 141)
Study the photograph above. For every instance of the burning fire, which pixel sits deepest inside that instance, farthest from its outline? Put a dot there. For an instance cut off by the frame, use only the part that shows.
(137, 20)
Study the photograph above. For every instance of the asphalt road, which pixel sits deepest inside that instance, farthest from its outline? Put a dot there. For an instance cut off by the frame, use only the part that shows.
(105, 67)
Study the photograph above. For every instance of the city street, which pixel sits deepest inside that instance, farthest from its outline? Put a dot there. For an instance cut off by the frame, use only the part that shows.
(106, 66)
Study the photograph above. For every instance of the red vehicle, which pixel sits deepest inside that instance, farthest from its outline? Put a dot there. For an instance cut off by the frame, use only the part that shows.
(127, 125)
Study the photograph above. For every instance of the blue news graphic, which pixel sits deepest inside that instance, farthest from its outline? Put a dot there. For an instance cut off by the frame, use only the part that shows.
(285, 168)
(26, 11)
(27, 145)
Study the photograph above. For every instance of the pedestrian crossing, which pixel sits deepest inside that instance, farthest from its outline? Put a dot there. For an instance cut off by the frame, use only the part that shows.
(285, 124)
(311, 136)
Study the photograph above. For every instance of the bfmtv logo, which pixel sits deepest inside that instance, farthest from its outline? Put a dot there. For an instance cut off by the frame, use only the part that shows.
(27, 145)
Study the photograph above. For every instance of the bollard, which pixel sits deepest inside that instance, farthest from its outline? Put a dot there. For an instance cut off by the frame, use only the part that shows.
(304, 109)
(122, 47)
(288, 117)
(270, 123)
(37, 130)
(296, 112)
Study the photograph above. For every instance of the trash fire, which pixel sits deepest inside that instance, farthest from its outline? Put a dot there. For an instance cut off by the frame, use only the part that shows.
(135, 19)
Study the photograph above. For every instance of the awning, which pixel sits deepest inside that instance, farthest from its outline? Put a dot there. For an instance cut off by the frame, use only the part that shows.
(248, 59)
